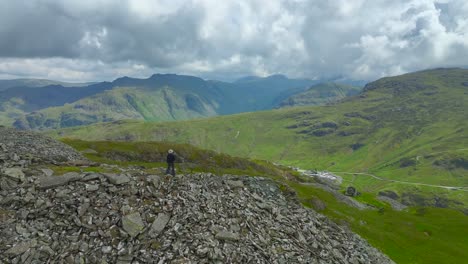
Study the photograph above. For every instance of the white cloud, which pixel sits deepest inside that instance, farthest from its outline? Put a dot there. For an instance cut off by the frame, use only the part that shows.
(101, 39)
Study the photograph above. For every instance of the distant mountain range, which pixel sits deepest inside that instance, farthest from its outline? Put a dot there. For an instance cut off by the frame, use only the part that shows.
(409, 128)
(162, 97)
(6, 84)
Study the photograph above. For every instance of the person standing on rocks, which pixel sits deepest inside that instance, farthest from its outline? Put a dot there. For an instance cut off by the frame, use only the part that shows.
(170, 162)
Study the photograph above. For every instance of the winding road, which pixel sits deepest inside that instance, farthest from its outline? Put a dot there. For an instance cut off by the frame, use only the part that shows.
(461, 188)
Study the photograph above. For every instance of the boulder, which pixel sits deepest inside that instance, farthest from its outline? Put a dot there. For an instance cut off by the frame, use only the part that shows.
(133, 224)
(56, 181)
(116, 179)
(159, 224)
(14, 173)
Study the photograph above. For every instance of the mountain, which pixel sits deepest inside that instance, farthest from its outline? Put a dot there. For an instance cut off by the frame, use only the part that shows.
(160, 97)
(265, 93)
(161, 104)
(402, 138)
(6, 84)
(320, 94)
(406, 128)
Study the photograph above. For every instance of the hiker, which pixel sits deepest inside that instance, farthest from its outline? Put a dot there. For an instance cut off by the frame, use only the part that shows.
(170, 162)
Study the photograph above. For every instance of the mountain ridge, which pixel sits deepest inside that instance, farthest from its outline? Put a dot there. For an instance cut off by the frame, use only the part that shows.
(41, 108)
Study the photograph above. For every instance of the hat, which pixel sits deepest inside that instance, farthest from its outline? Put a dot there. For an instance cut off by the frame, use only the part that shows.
(170, 151)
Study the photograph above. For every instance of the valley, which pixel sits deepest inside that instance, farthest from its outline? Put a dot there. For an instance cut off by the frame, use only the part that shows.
(269, 132)
(403, 137)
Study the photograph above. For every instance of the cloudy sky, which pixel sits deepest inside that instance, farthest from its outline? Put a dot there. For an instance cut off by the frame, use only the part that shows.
(91, 40)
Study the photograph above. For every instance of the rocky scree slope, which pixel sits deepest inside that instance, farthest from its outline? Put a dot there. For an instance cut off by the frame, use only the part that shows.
(132, 217)
(26, 146)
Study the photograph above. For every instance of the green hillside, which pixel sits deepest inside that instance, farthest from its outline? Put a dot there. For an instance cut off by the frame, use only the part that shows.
(161, 104)
(320, 94)
(161, 97)
(408, 128)
(406, 236)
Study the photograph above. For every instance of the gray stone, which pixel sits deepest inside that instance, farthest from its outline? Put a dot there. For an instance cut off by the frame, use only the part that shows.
(14, 173)
(124, 259)
(15, 157)
(3, 147)
(226, 235)
(159, 224)
(106, 249)
(55, 181)
(46, 249)
(21, 230)
(235, 184)
(47, 172)
(21, 247)
(133, 224)
(117, 179)
(92, 187)
(91, 177)
(154, 179)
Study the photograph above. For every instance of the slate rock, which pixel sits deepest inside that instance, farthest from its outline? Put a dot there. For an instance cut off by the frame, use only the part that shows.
(235, 184)
(117, 179)
(226, 235)
(21, 247)
(92, 187)
(47, 172)
(133, 224)
(14, 173)
(159, 224)
(56, 181)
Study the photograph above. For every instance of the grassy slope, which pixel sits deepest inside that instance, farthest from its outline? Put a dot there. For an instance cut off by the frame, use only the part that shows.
(321, 94)
(427, 123)
(189, 159)
(406, 237)
(123, 103)
(410, 128)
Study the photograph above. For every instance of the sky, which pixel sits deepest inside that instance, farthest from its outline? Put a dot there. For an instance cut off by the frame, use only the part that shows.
(97, 40)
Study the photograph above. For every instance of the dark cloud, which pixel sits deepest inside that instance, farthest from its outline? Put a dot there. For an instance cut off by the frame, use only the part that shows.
(94, 40)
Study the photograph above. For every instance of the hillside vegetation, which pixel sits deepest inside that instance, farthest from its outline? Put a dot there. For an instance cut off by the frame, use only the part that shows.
(122, 103)
(321, 94)
(410, 128)
(406, 236)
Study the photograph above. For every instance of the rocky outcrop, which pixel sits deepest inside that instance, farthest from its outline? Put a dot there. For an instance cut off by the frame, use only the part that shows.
(19, 150)
(199, 218)
(132, 217)
(20, 145)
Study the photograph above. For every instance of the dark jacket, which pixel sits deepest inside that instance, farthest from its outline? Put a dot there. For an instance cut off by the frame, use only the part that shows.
(171, 158)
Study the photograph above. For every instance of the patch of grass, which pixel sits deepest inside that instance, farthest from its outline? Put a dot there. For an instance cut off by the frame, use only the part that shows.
(60, 170)
(435, 236)
(152, 155)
